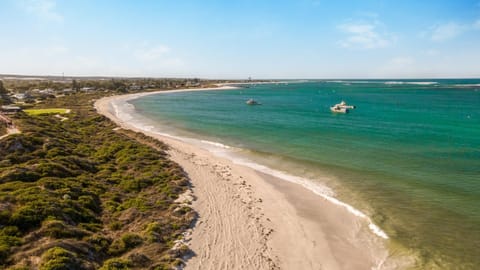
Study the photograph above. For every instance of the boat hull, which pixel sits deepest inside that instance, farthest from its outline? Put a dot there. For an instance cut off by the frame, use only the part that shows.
(338, 110)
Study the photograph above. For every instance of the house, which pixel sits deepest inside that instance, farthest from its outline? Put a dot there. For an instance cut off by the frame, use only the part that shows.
(7, 109)
(20, 96)
(87, 89)
(68, 91)
(135, 87)
(192, 84)
(48, 91)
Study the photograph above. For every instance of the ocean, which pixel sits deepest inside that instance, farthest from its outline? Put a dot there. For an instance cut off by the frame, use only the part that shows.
(408, 155)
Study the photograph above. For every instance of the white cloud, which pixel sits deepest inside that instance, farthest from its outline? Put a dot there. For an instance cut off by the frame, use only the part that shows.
(364, 36)
(450, 30)
(44, 9)
(151, 53)
(447, 31)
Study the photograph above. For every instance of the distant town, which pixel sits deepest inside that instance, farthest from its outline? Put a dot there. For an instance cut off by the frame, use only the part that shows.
(28, 89)
(19, 92)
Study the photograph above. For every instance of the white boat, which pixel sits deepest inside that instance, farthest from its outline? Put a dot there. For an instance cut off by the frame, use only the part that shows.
(341, 107)
(252, 102)
(343, 104)
(338, 109)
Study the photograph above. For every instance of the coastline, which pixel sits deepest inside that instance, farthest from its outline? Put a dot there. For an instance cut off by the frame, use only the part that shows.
(253, 220)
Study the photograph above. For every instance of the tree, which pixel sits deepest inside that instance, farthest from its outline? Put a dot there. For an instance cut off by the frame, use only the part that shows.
(2, 88)
(75, 86)
(4, 98)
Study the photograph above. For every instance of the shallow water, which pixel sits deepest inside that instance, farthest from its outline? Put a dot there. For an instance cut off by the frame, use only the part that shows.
(408, 155)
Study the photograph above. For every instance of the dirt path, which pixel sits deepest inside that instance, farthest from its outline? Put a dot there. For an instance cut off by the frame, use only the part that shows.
(10, 131)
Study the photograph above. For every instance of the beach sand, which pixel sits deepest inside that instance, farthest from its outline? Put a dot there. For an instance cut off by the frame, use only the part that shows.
(252, 220)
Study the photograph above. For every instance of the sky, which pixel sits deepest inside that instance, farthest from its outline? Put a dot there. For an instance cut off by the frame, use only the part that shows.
(237, 39)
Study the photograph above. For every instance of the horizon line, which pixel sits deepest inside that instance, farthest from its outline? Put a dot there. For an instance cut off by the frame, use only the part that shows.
(236, 79)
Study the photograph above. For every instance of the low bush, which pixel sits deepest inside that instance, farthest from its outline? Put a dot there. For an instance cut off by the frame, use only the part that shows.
(79, 183)
(127, 242)
(99, 242)
(116, 264)
(58, 258)
(59, 230)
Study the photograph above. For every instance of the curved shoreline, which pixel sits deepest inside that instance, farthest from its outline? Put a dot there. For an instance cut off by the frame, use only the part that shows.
(259, 217)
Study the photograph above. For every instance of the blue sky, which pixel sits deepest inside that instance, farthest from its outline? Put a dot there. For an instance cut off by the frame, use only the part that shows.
(238, 39)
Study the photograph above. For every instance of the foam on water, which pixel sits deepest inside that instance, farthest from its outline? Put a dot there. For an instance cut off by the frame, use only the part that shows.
(126, 112)
(216, 144)
(467, 85)
(321, 190)
(412, 83)
(348, 81)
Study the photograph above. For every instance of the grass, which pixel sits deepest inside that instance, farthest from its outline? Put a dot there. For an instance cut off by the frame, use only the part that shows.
(33, 112)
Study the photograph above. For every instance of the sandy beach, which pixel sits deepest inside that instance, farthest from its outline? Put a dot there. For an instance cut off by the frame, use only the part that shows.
(252, 220)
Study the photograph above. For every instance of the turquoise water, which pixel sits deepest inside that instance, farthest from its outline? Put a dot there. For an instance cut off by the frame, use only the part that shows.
(408, 155)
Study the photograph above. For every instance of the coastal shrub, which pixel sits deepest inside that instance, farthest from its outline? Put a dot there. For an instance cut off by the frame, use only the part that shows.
(58, 229)
(29, 216)
(135, 184)
(19, 144)
(116, 264)
(19, 173)
(9, 231)
(131, 240)
(115, 225)
(69, 182)
(4, 253)
(138, 203)
(38, 206)
(162, 266)
(91, 227)
(58, 258)
(6, 243)
(152, 232)
(90, 202)
(139, 260)
(53, 183)
(125, 243)
(99, 242)
(76, 164)
(54, 169)
(111, 206)
(55, 152)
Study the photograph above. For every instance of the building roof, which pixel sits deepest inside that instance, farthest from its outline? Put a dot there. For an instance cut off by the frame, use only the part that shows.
(9, 107)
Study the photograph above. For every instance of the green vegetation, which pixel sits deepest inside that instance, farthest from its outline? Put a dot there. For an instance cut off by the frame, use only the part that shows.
(3, 129)
(118, 85)
(80, 195)
(116, 264)
(46, 111)
(58, 258)
(2, 88)
(4, 99)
